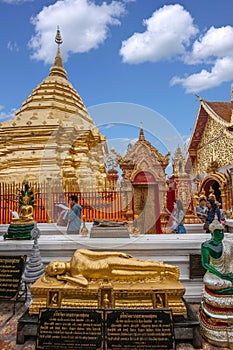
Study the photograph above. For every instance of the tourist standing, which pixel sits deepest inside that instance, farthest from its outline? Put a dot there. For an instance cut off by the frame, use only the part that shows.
(201, 210)
(222, 215)
(212, 211)
(74, 216)
(177, 217)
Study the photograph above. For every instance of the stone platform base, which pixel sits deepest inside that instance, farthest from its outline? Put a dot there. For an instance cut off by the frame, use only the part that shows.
(159, 292)
(109, 232)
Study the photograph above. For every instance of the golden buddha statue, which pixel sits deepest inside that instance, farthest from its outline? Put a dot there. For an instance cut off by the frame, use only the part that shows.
(109, 280)
(25, 212)
(86, 265)
(21, 226)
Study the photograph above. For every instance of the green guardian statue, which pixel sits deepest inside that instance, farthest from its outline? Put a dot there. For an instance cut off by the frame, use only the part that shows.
(216, 312)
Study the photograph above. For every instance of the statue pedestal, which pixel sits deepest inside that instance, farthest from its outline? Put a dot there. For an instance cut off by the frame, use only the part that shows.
(19, 230)
(109, 232)
(216, 319)
(164, 293)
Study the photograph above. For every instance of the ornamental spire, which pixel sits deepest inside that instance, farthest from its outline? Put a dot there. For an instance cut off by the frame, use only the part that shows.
(141, 135)
(58, 68)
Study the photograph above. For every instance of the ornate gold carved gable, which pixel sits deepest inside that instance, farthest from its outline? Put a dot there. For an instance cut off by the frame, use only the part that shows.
(213, 128)
(214, 144)
(144, 164)
(212, 166)
(144, 157)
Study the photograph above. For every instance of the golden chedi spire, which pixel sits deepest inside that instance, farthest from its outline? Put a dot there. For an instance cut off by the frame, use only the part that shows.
(54, 100)
(53, 134)
(58, 68)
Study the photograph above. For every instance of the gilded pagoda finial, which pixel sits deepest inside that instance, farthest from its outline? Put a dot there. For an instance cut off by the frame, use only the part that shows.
(141, 135)
(58, 38)
(58, 68)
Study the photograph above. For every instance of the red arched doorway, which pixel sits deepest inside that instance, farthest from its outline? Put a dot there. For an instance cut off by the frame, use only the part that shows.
(146, 202)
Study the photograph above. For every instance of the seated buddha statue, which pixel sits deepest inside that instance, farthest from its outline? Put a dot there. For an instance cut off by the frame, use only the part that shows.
(86, 265)
(25, 211)
(22, 225)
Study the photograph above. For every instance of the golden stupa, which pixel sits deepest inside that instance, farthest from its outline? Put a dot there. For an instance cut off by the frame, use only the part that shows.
(53, 136)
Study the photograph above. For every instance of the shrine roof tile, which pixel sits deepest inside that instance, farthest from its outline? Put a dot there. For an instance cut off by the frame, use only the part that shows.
(222, 109)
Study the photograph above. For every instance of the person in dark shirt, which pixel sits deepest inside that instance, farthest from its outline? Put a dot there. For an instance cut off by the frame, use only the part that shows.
(201, 210)
(212, 211)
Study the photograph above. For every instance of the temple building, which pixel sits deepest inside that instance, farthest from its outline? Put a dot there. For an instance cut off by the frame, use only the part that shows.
(52, 136)
(211, 151)
(179, 186)
(144, 183)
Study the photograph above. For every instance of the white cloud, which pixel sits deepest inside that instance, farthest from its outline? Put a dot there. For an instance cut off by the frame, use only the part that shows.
(222, 71)
(214, 48)
(168, 32)
(217, 42)
(83, 24)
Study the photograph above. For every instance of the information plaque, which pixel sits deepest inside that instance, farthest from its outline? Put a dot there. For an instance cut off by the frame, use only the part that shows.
(11, 270)
(105, 329)
(196, 270)
(139, 329)
(64, 329)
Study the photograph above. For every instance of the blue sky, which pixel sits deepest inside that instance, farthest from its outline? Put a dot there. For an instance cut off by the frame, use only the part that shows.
(152, 53)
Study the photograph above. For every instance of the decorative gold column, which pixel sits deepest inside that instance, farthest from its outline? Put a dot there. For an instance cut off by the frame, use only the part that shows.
(49, 199)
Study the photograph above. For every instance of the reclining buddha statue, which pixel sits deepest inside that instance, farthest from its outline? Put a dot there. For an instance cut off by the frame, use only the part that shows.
(116, 279)
(86, 265)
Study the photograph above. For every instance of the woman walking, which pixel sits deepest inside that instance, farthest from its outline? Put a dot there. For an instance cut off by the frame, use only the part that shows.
(177, 217)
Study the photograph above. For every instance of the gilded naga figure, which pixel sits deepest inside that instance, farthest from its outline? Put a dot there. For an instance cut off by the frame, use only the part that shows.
(86, 265)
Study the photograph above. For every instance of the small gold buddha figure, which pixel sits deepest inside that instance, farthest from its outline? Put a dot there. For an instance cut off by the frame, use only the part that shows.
(25, 211)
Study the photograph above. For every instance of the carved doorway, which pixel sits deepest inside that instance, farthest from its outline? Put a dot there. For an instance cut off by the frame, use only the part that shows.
(212, 187)
(146, 203)
(219, 185)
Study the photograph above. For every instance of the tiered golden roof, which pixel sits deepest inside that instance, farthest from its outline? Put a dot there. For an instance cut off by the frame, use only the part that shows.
(52, 134)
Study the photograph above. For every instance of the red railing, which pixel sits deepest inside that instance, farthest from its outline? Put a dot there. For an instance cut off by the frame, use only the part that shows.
(99, 205)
